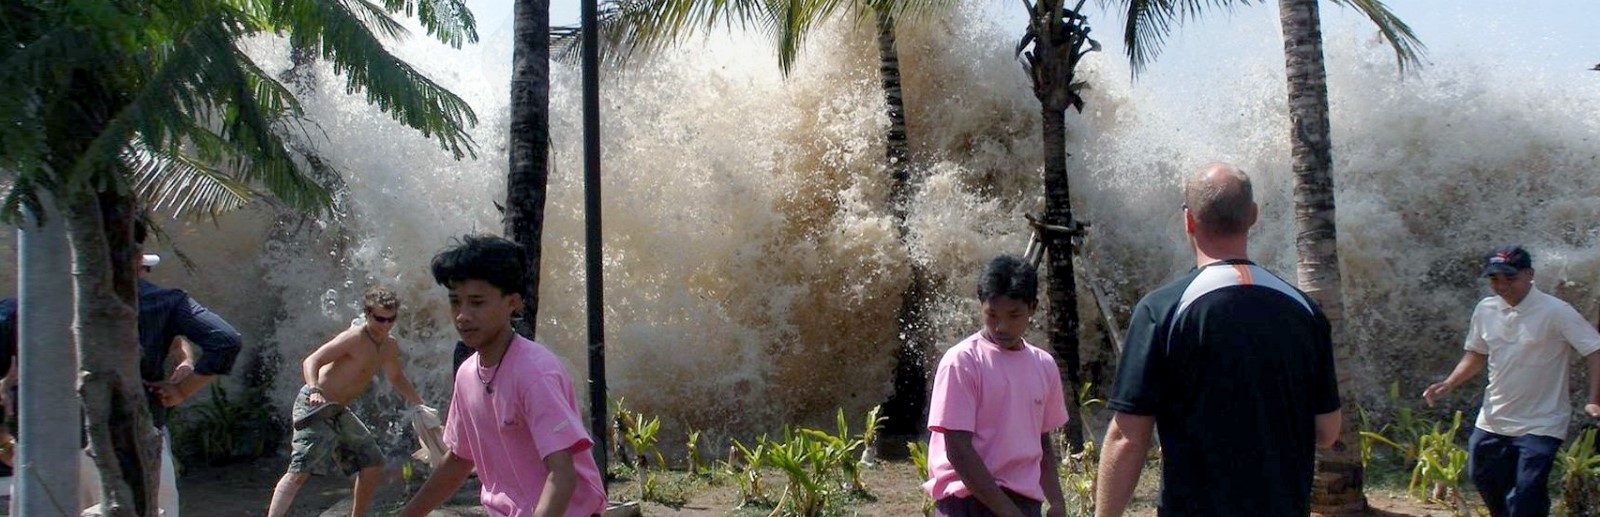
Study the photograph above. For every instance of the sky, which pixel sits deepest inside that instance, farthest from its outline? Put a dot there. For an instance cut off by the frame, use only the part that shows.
(1536, 33)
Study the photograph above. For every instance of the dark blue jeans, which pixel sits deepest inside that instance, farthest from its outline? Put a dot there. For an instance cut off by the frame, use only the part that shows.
(1512, 473)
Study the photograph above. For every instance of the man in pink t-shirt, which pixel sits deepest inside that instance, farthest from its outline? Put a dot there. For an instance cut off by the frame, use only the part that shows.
(996, 399)
(512, 414)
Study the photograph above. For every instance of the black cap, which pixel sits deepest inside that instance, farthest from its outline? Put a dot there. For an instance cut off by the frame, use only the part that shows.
(1506, 260)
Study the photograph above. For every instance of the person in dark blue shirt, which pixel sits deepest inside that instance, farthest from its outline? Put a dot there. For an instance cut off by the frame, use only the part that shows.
(165, 316)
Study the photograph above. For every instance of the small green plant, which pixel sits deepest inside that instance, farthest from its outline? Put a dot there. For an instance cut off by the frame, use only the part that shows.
(796, 457)
(869, 436)
(407, 474)
(1079, 477)
(1440, 463)
(1087, 401)
(697, 465)
(1580, 474)
(1403, 435)
(744, 466)
(221, 430)
(919, 457)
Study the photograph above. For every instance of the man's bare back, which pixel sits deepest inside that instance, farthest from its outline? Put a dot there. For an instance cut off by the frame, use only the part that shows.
(350, 360)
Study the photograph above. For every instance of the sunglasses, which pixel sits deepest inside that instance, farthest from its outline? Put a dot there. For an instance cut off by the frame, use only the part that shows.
(381, 319)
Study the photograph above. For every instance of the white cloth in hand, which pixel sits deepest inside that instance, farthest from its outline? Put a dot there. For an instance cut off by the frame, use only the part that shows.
(426, 417)
(430, 435)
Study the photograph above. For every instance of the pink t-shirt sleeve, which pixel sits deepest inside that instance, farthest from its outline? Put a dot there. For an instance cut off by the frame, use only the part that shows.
(553, 421)
(954, 405)
(455, 428)
(1055, 404)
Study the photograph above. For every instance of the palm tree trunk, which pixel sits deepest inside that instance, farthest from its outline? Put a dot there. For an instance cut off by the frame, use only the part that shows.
(898, 149)
(1053, 64)
(530, 150)
(907, 406)
(1339, 479)
(122, 439)
(1062, 291)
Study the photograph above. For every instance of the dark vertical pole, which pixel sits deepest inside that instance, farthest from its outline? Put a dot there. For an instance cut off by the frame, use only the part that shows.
(591, 211)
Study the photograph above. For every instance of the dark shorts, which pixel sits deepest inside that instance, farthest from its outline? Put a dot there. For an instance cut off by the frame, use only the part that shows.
(333, 444)
(970, 507)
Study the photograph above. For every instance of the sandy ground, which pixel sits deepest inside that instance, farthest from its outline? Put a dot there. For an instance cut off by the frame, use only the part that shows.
(244, 490)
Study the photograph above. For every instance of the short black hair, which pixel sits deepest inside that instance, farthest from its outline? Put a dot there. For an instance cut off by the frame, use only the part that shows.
(489, 258)
(1011, 277)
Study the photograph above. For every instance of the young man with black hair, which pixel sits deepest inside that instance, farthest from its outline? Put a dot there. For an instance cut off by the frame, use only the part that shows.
(513, 414)
(996, 399)
(328, 438)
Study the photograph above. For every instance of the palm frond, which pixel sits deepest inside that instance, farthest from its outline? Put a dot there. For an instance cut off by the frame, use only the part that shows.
(1149, 22)
(377, 17)
(633, 27)
(910, 10)
(388, 83)
(183, 186)
(448, 20)
(1408, 50)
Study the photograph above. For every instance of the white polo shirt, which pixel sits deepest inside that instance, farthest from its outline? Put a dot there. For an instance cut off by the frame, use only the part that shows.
(1530, 347)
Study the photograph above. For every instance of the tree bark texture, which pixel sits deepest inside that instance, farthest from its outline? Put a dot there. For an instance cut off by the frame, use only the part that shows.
(529, 149)
(1340, 475)
(1052, 78)
(907, 406)
(122, 439)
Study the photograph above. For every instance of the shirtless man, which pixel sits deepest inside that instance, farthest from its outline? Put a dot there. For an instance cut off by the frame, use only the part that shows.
(327, 437)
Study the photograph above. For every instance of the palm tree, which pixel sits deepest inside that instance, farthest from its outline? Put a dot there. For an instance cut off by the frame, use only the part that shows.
(116, 101)
(529, 171)
(635, 26)
(1339, 482)
(1058, 38)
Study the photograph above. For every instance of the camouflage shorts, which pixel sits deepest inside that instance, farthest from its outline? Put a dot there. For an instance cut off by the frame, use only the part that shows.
(336, 444)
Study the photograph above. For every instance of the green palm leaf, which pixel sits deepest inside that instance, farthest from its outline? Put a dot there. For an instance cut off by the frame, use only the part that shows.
(1149, 22)
(337, 35)
(448, 20)
(184, 186)
(1408, 50)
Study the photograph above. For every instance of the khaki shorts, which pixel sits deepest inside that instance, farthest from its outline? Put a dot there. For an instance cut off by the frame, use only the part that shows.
(337, 443)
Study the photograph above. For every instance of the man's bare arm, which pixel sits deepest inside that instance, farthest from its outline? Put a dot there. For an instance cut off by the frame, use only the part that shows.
(440, 486)
(1122, 459)
(1328, 426)
(397, 377)
(182, 383)
(970, 468)
(558, 486)
(1593, 407)
(1472, 363)
(1050, 477)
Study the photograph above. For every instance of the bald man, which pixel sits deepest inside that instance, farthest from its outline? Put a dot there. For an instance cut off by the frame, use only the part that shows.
(1236, 367)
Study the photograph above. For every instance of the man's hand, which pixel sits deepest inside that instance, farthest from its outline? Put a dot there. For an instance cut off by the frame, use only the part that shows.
(1592, 409)
(1436, 391)
(181, 373)
(169, 393)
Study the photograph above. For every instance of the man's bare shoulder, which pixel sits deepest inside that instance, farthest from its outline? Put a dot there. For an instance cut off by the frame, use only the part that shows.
(343, 338)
